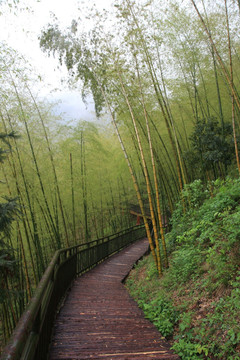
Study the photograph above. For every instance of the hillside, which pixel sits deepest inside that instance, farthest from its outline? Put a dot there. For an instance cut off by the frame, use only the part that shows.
(164, 84)
(196, 304)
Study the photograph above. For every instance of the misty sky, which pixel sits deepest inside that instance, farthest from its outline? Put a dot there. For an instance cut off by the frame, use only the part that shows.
(20, 30)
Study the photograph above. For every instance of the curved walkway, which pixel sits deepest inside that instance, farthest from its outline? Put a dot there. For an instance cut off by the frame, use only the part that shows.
(100, 320)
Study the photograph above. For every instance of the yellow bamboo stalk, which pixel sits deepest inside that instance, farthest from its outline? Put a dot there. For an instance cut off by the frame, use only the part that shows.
(135, 184)
(159, 265)
(154, 170)
(160, 100)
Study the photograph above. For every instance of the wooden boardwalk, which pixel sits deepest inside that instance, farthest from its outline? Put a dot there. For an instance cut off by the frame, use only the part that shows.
(100, 320)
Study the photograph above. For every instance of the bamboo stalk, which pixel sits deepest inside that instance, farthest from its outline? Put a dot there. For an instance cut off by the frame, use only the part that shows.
(154, 170)
(84, 187)
(221, 63)
(33, 154)
(232, 94)
(162, 103)
(135, 184)
(28, 283)
(53, 167)
(159, 265)
(15, 176)
(94, 220)
(73, 200)
(215, 74)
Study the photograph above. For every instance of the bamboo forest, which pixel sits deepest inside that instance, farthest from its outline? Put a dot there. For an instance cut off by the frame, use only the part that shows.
(159, 153)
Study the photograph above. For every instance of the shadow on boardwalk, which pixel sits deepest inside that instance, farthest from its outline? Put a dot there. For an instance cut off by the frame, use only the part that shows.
(100, 320)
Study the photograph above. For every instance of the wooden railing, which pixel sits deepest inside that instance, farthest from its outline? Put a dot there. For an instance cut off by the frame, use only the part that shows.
(31, 337)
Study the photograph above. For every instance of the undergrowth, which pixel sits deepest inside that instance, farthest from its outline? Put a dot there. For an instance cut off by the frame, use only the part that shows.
(196, 304)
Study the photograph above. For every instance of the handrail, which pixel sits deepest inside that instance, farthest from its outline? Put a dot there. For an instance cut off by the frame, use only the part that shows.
(32, 335)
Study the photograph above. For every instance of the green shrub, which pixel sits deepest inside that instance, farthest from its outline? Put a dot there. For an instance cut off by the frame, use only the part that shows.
(185, 264)
(162, 314)
(203, 273)
(189, 351)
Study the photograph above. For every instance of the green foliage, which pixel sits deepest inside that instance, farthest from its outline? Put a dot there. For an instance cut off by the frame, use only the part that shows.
(185, 263)
(162, 313)
(58, 196)
(77, 57)
(157, 308)
(175, 88)
(211, 238)
(189, 351)
(218, 333)
(193, 196)
(203, 279)
(225, 319)
(5, 138)
(9, 211)
(211, 146)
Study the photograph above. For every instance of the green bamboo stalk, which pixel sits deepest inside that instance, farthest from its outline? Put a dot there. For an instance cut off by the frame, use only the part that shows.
(101, 207)
(73, 200)
(112, 205)
(33, 155)
(94, 220)
(232, 85)
(120, 217)
(219, 58)
(84, 187)
(19, 193)
(28, 282)
(53, 166)
(126, 202)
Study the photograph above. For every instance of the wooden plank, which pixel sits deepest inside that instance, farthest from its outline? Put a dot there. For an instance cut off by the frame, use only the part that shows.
(100, 320)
